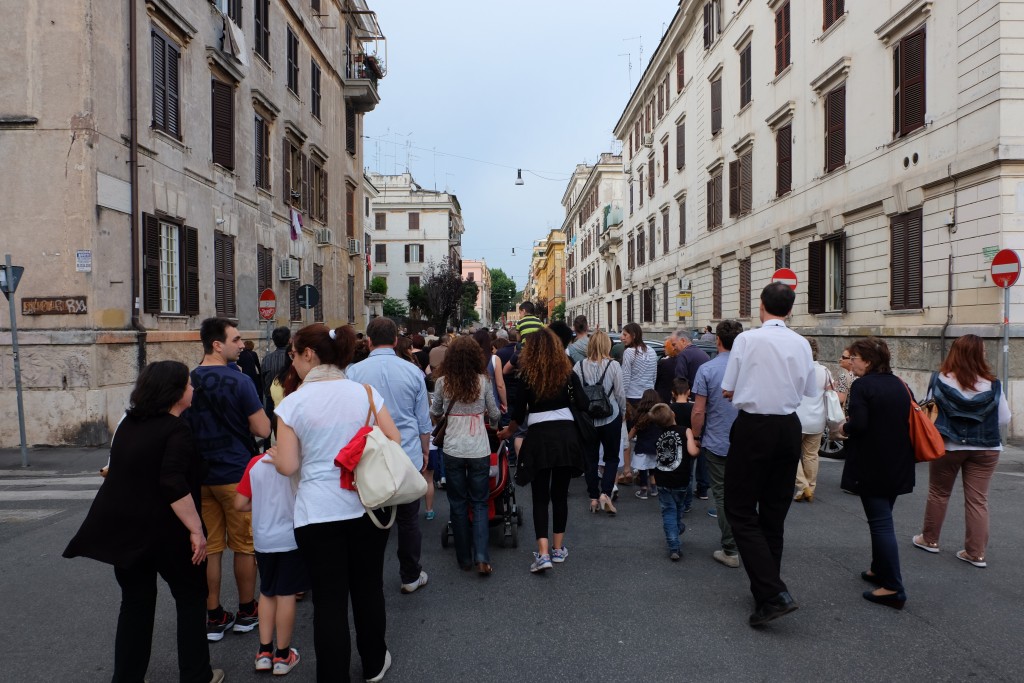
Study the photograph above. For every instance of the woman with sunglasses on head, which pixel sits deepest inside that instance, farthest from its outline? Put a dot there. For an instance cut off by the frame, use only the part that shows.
(972, 412)
(342, 548)
(880, 461)
(844, 378)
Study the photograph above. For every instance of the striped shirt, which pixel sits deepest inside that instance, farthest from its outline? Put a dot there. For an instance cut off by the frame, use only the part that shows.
(528, 324)
(639, 369)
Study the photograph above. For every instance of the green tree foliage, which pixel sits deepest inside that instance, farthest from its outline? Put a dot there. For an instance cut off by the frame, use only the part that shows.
(395, 308)
(379, 285)
(418, 300)
(559, 312)
(443, 283)
(503, 293)
(467, 301)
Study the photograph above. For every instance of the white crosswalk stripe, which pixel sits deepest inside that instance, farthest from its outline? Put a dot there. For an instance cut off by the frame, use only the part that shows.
(43, 486)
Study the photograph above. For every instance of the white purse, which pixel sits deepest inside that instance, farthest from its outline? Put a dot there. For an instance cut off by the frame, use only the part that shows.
(834, 414)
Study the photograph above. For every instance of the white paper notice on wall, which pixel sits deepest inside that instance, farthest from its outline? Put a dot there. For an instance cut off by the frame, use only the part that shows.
(83, 261)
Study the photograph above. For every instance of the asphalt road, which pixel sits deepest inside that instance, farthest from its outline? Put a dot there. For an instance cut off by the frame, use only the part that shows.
(618, 609)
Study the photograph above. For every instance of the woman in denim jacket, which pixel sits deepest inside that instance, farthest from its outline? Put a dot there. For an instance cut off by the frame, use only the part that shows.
(972, 411)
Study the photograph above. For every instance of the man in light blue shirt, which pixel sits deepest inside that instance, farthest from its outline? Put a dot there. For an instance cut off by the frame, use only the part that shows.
(402, 385)
(712, 420)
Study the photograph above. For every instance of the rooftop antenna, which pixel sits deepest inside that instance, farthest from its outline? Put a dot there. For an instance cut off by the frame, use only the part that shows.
(629, 71)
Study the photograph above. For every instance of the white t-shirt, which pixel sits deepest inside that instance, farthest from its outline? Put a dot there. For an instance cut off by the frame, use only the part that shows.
(273, 506)
(325, 416)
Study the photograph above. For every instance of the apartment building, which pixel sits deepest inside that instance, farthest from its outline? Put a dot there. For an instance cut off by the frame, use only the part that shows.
(175, 160)
(412, 227)
(476, 271)
(593, 204)
(546, 283)
(873, 148)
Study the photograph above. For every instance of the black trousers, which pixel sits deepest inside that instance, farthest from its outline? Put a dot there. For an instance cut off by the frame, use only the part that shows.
(551, 485)
(609, 436)
(410, 541)
(134, 640)
(346, 561)
(759, 472)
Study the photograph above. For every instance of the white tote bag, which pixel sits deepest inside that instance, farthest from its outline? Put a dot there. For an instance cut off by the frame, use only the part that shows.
(385, 476)
(834, 414)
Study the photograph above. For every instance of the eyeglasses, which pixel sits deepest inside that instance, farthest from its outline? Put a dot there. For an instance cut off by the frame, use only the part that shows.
(854, 357)
(845, 357)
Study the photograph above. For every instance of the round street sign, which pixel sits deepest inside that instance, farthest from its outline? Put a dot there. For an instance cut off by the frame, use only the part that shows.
(308, 296)
(1005, 268)
(267, 304)
(786, 277)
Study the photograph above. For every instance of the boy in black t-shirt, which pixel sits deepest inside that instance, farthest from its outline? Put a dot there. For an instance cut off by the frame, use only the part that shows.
(674, 452)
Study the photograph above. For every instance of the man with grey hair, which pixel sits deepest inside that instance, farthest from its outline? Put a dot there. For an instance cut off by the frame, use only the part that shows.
(401, 385)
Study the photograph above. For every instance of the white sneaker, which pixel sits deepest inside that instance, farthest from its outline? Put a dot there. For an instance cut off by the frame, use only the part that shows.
(387, 660)
(418, 583)
(732, 561)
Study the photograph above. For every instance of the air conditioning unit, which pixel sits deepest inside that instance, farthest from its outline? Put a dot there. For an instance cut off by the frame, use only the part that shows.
(289, 269)
(324, 236)
(354, 248)
(649, 140)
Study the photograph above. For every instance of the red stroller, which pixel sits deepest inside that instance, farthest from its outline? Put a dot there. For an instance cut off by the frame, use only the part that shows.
(502, 509)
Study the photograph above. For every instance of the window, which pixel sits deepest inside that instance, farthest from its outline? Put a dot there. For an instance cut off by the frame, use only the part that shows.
(166, 87)
(826, 275)
(745, 76)
(414, 281)
(380, 221)
(680, 72)
(294, 310)
(171, 267)
(784, 160)
(629, 308)
(680, 145)
(318, 282)
(640, 173)
(264, 268)
(782, 30)
(716, 106)
(414, 253)
(664, 163)
(833, 10)
(351, 292)
(262, 22)
(712, 22)
(414, 220)
(641, 247)
(647, 304)
(650, 176)
(715, 200)
(631, 253)
(315, 5)
(716, 293)
(318, 190)
(314, 88)
(664, 231)
(224, 274)
(744, 265)
(293, 62)
(223, 115)
(741, 180)
(350, 210)
(682, 223)
(782, 257)
(651, 239)
(661, 101)
(908, 81)
(380, 253)
(905, 269)
(631, 199)
(664, 302)
(835, 129)
(233, 8)
(262, 160)
(296, 184)
(350, 129)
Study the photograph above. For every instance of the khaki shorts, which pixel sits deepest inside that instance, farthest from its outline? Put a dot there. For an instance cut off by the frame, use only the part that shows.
(223, 520)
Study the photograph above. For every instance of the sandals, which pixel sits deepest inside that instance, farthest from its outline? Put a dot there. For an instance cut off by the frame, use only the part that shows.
(925, 546)
(594, 507)
(978, 562)
(606, 504)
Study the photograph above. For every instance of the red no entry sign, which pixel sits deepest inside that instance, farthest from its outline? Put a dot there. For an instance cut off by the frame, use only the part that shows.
(786, 277)
(1005, 268)
(267, 304)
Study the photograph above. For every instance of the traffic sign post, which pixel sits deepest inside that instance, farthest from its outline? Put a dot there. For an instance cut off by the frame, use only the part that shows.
(308, 297)
(9, 278)
(786, 277)
(267, 306)
(1005, 270)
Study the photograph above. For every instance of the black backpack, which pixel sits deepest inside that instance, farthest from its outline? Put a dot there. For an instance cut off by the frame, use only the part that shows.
(595, 401)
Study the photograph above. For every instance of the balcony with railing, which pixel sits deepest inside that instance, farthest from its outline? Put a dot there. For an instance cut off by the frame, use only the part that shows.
(363, 71)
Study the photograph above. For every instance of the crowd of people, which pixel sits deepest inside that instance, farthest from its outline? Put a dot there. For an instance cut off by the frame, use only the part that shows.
(243, 454)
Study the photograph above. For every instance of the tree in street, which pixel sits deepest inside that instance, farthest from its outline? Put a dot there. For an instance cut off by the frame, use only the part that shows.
(443, 283)
(467, 302)
(503, 293)
(418, 301)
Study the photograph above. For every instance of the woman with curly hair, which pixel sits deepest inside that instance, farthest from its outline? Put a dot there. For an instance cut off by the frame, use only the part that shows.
(551, 450)
(464, 394)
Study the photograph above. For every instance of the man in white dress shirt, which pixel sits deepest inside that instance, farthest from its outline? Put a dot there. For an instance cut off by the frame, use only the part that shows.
(770, 370)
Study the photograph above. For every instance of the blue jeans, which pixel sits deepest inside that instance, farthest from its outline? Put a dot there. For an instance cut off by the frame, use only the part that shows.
(698, 475)
(885, 553)
(467, 485)
(671, 502)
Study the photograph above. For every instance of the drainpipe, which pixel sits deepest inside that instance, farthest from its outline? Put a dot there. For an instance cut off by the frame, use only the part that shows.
(133, 167)
(949, 271)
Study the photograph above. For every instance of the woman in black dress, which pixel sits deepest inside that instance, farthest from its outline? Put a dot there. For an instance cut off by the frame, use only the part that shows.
(145, 521)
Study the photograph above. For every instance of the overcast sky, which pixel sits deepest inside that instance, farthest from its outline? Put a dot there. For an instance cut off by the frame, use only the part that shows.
(536, 85)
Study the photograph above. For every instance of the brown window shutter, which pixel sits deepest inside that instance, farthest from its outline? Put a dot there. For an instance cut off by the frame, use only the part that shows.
(380, 221)
(218, 274)
(294, 310)
(841, 246)
(664, 232)
(407, 253)
(324, 196)
(414, 220)
(746, 183)
(151, 267)
(230, 307)
(260, 282)
(318, 282)
(782, 39)
(911, 53)
(835, 129)
(159, 81)
(350, 210)
(380, 253)
(664, 162)
(744, 287)
(652, 240)
(286, 171)
(680, 146)
(350, 129)
(661, 101)
(680, 72)
(191, 271)
(640, 173)
(711, 204)
(716, 293)
(745, 75)
(258, 140)
(682, 223)
(905, 276)
(734, 188)
(422, 252)
(718, 199)
(716, 105)
(708, 36)
(173, 112)
(304, 189)
(223, 114)
(650, 177)
(833, 10)
(914, 258)
(816, 277)
(784, 160)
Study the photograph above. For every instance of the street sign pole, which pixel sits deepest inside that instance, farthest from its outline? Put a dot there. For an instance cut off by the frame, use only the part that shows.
(1006, 337)
(1005, 271)
(17, 365)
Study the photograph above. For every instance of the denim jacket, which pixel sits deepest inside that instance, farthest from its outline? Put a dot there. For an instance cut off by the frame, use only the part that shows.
(967, 421)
